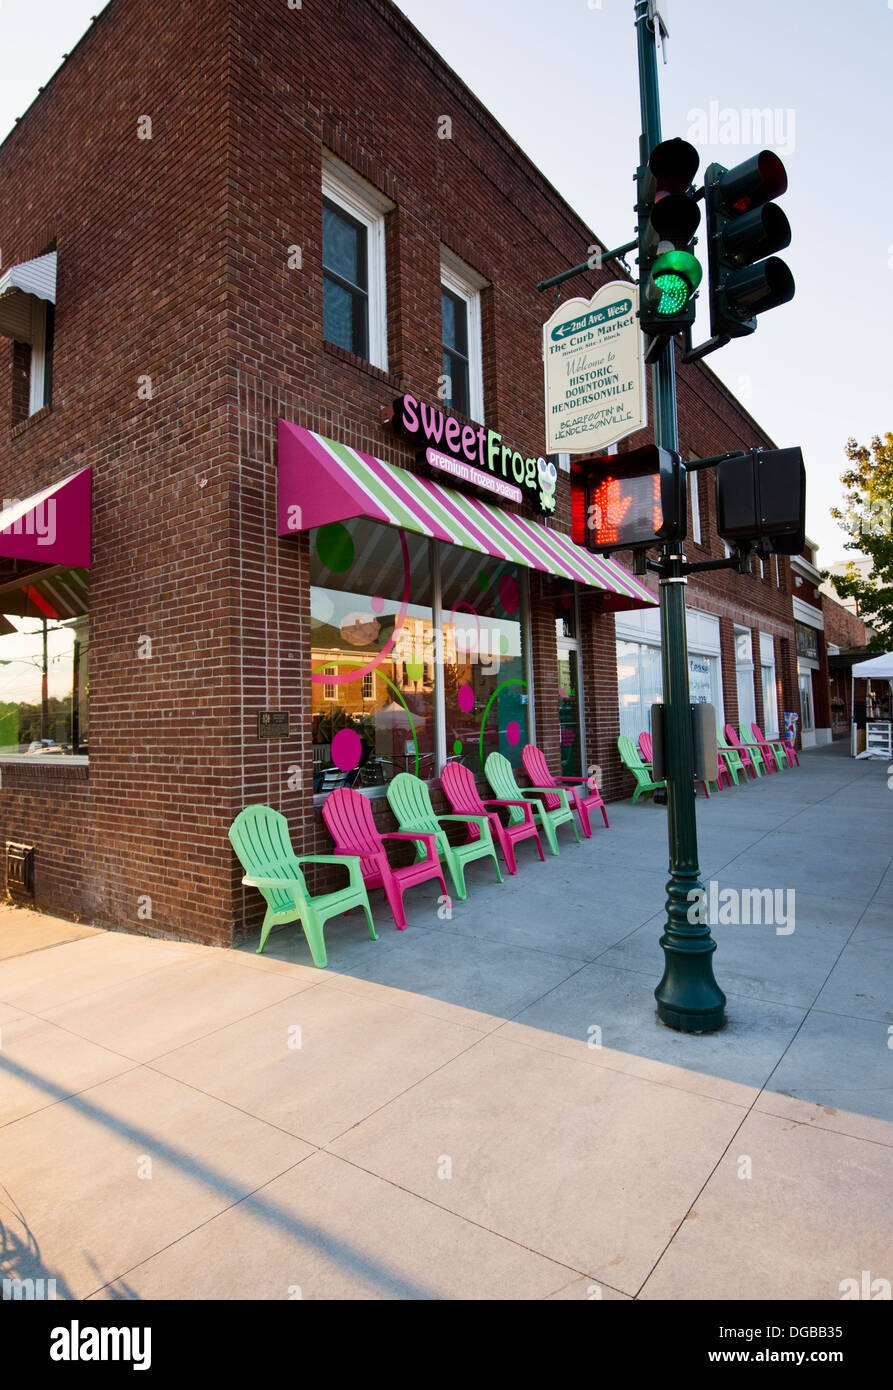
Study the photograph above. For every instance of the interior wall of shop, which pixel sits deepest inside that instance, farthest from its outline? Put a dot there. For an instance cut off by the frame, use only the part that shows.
(174, 263)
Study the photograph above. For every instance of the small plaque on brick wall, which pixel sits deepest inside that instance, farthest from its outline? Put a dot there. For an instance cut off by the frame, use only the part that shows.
(272, 723)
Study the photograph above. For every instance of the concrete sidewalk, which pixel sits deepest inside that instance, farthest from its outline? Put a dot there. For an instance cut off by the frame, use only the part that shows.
(430, 1117)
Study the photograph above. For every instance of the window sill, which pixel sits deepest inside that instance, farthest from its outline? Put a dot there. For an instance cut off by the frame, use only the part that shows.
(376, 793)
(24, 425)
(371, 793)
(360, 362)
(46, 760)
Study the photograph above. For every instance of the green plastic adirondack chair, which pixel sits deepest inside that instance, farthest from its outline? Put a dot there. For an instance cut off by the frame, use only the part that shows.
(410, 800)
(756, 756)
(259, 835)
(730, 758)
(632, 760)
(501, 776)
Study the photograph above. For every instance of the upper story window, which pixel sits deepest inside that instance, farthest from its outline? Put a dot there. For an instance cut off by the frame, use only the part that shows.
(353, 261)
(27, 316)
(345, 280)
(40, 373)
(460, 302)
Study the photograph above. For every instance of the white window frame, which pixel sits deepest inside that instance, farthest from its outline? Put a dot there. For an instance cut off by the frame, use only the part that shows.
(466, 284)
(767, 663)
(330, 690)
(37, 383)
(806, 705)
(344, 187)
(368, 687)
(695, 508)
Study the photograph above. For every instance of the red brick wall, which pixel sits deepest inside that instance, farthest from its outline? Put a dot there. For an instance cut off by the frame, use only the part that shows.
(842, 628)
(142, 286)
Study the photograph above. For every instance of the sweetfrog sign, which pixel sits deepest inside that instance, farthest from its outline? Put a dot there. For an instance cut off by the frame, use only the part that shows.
(594, 371)
(475, 454)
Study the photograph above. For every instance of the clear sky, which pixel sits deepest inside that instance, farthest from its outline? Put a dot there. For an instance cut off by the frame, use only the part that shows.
(561, 77)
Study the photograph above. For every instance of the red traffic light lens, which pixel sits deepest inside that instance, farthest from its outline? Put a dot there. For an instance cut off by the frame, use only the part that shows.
(674, 164)
(755, 182)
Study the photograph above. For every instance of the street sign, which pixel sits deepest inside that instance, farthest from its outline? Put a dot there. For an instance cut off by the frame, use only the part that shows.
(594, 371)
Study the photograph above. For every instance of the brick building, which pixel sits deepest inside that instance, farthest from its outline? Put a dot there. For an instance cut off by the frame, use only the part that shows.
(228, 248)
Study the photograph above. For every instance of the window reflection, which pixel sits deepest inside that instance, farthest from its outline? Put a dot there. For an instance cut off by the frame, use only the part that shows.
(486, 692)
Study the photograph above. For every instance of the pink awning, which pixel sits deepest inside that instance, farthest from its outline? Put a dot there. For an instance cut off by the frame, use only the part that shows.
(322, 481)
(52, 527)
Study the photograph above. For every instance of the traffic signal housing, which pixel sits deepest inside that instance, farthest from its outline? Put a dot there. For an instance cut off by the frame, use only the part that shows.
(668, 218)
(620, 501)
(745, 227)
(761, 500)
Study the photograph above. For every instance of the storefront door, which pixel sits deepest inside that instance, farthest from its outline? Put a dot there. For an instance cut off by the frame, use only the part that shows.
(570, 707)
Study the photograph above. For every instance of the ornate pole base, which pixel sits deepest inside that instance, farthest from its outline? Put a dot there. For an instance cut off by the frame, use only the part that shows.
(688, 997)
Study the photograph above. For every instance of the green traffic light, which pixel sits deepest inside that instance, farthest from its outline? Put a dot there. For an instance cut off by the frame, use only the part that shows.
(676, 274)
(674, 292)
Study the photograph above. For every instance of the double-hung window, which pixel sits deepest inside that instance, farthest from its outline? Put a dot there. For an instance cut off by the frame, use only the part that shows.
(345, 294)
(460, 304)
(353, 263)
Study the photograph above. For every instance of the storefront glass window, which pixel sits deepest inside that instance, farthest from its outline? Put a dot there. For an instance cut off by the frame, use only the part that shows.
(569, 710)
(638, 685)
(486, 694)
(44, 686)
(805, 682)
(704, 681)
(371, 641)
(770, 701)
(747, 699)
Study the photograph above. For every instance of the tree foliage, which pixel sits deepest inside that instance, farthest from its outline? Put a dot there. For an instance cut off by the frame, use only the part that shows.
(867, 517)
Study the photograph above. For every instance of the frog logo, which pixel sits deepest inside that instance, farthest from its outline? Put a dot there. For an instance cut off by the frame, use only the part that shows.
(548, 479)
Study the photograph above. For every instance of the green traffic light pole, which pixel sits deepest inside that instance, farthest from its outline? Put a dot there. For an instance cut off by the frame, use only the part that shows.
(688, 997)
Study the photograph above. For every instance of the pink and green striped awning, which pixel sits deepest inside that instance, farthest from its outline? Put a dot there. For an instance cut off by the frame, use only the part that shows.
(321, 480)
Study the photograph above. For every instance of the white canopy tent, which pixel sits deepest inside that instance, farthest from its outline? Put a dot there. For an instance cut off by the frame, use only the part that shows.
(876, 668)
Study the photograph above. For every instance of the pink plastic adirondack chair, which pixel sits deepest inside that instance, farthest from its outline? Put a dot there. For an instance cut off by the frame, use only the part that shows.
(773, 744)
(348, 818)
(735, 742)
(460, 790)
(583, 797)
(646, 747)
(767, 752)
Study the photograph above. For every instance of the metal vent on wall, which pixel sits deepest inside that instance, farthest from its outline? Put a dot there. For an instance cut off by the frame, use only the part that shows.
(19, 870)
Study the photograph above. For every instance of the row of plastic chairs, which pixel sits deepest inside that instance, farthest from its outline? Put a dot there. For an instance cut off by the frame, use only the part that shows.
(750, 755)
(259, 836)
